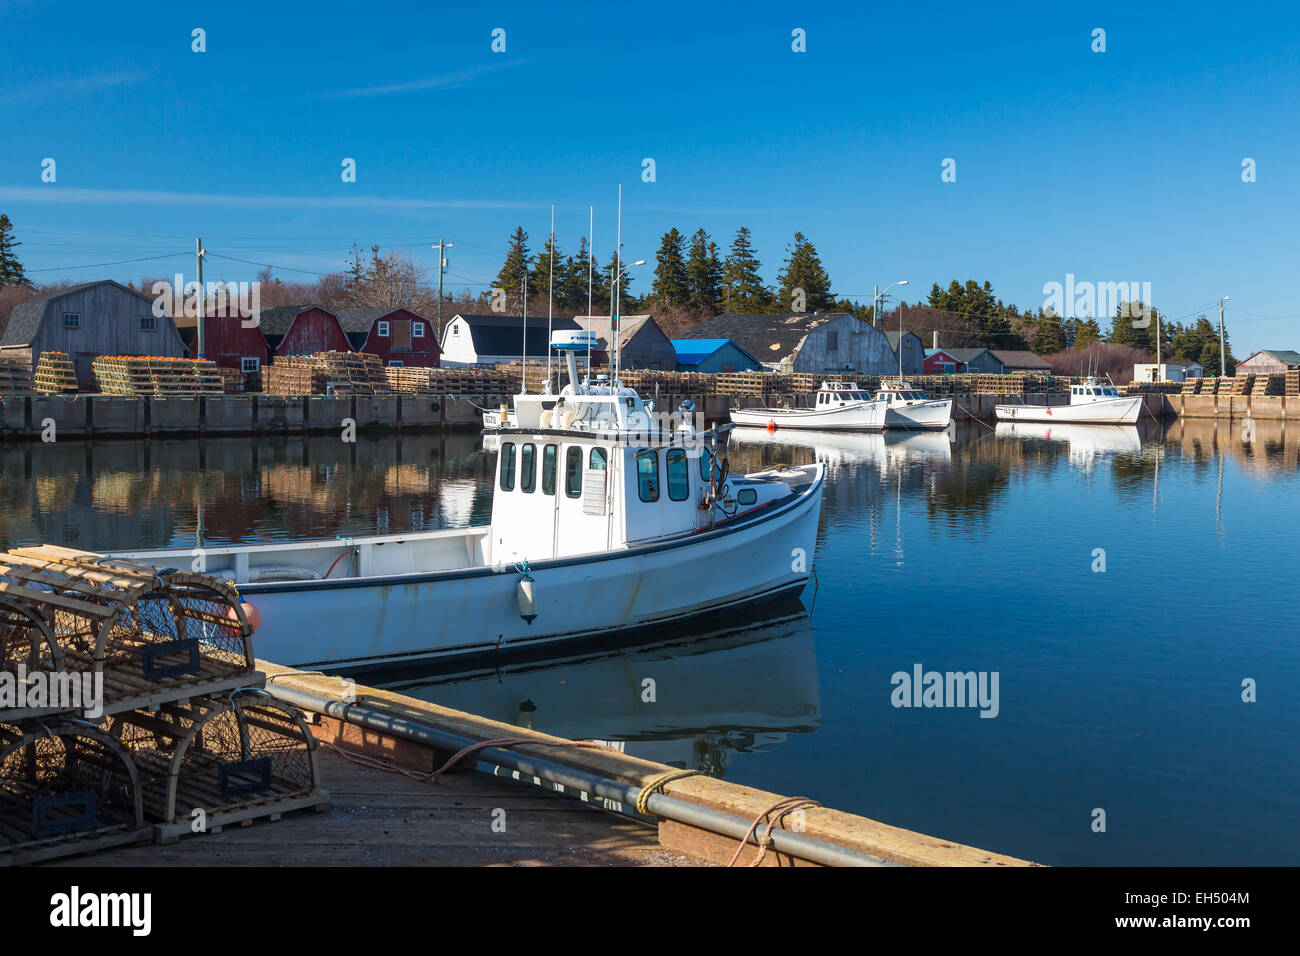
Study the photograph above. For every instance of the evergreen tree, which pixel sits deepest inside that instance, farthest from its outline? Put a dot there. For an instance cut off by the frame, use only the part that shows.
(1086, 333)
(671, 283)
(1124, 330)
(704, 274)
(803, 271)
(1049, 334)
(627, 301)
(742, 286)
(11, 270)
(540, 279)
(511, 276)
(576, 280)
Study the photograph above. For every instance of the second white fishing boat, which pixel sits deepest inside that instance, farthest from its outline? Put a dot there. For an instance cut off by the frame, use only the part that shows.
(1091, 403)
(838, 406)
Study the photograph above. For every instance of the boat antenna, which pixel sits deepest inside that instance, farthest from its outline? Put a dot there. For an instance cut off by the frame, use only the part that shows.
(591, 261)
(550, 290)
(613, 319)
(523, 358)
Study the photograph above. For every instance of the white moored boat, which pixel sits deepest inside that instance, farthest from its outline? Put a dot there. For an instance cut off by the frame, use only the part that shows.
(908, 407)
(604, 518)
(839, 406)
(1091, 403)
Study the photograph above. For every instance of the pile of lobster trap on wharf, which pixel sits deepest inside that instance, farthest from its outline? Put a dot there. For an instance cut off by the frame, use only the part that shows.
(131, 709)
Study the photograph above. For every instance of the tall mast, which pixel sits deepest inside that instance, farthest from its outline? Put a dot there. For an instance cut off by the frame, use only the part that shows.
(550, 296)
(618, 275)
(591, 253)
(523, 358)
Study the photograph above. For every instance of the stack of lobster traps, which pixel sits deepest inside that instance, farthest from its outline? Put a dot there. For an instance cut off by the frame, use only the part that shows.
(130, 705)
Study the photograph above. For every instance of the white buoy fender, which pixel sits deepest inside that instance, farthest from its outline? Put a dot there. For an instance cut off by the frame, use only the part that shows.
(546, 418)
(526, 599)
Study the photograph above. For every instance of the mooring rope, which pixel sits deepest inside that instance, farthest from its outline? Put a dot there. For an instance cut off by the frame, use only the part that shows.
(656, 786)
(777, 812)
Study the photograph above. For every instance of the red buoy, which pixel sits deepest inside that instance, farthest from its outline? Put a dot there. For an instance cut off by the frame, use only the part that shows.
(771, 426)
(251, 614)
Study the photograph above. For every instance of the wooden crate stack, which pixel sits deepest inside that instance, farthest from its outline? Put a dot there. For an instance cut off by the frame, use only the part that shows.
(55, 374)
(1291, 384)
(171, 651)
(233, 381)
(15, 377)
(1268, 385)
(156, 375)
(334, 373)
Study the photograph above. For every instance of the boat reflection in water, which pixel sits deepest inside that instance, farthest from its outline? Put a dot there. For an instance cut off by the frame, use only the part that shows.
(1086, 442)
(888, 450)
(688, 700)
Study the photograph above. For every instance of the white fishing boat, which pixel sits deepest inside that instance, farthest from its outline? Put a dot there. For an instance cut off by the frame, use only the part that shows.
(565, 341)
(605, 518)
(908, 407)
(1091, 403)
(838, 406)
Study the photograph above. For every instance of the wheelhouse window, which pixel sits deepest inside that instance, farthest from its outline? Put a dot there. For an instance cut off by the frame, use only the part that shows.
(647, 475)
(746, 496)
(527, 468)
(508, 466)
(679, 479)
(573, 472)
(549, 454)
(598, 460)
(706, 465)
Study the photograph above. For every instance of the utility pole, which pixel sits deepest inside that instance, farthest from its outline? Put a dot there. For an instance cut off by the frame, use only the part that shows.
(443, 245)
(1223, 359)
(1158, 370)
(201, 300)
(875, 305)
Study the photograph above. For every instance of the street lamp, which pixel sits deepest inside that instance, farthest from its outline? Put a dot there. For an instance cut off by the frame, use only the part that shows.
(1223, 362)
(875, 311)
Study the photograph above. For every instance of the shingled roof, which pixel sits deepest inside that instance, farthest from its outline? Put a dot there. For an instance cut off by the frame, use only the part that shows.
(357, 323)
(770, 337)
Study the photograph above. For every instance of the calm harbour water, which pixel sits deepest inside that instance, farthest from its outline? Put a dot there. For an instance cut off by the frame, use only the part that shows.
(1119, 690)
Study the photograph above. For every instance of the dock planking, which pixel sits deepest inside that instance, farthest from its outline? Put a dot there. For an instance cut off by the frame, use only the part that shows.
(382, 817)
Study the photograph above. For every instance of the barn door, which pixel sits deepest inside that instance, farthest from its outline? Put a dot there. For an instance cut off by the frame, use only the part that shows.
(401, 335)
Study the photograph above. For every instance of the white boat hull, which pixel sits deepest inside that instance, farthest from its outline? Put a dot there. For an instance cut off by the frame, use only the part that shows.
(361, 622)
(862, 416)
(935, 413)
(1111, 411)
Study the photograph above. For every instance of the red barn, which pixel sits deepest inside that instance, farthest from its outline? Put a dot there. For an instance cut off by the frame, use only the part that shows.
(229, 340)
(939, 362)
(397, 336)
(302, 330)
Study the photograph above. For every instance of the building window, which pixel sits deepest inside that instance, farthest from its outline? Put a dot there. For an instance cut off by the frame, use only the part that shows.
(383, 330)
(528, 468)
(549, 454)
(148, 323)
(72, 320)
(679, 480)
(417, 329)
(508, 466)
(396, 363)
(455, 330)
(248, 364)
(647, 475)
(573, 472)
(832, 341)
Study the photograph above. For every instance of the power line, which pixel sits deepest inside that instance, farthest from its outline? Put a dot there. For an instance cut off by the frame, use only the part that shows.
(119, 262)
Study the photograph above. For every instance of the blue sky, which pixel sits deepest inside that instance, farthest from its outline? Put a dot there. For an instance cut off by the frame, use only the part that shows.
(1115, 166)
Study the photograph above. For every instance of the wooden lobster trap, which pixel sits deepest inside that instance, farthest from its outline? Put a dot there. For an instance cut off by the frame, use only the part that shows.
(66, 787)
(100, 636)
(217, 761)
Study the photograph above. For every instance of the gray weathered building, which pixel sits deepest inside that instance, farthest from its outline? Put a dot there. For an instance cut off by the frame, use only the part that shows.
(87, 321)
(811, 342)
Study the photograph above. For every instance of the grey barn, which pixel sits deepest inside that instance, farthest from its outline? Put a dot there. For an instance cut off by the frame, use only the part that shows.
(87, 321)
(810, 342)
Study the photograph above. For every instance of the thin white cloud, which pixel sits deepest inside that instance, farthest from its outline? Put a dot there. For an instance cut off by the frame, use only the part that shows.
(119, 197)
(78, 84)
(443, 81)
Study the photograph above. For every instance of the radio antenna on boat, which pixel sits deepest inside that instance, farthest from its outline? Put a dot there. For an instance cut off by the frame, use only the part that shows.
(591, 261)
(618, 276)
(550, 298)
(523, 357)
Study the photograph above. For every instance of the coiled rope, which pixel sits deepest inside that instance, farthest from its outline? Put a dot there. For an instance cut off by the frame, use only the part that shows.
(777, 812)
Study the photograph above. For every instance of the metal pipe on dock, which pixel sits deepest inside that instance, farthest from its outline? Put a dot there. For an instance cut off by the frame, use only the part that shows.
(784, 841)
